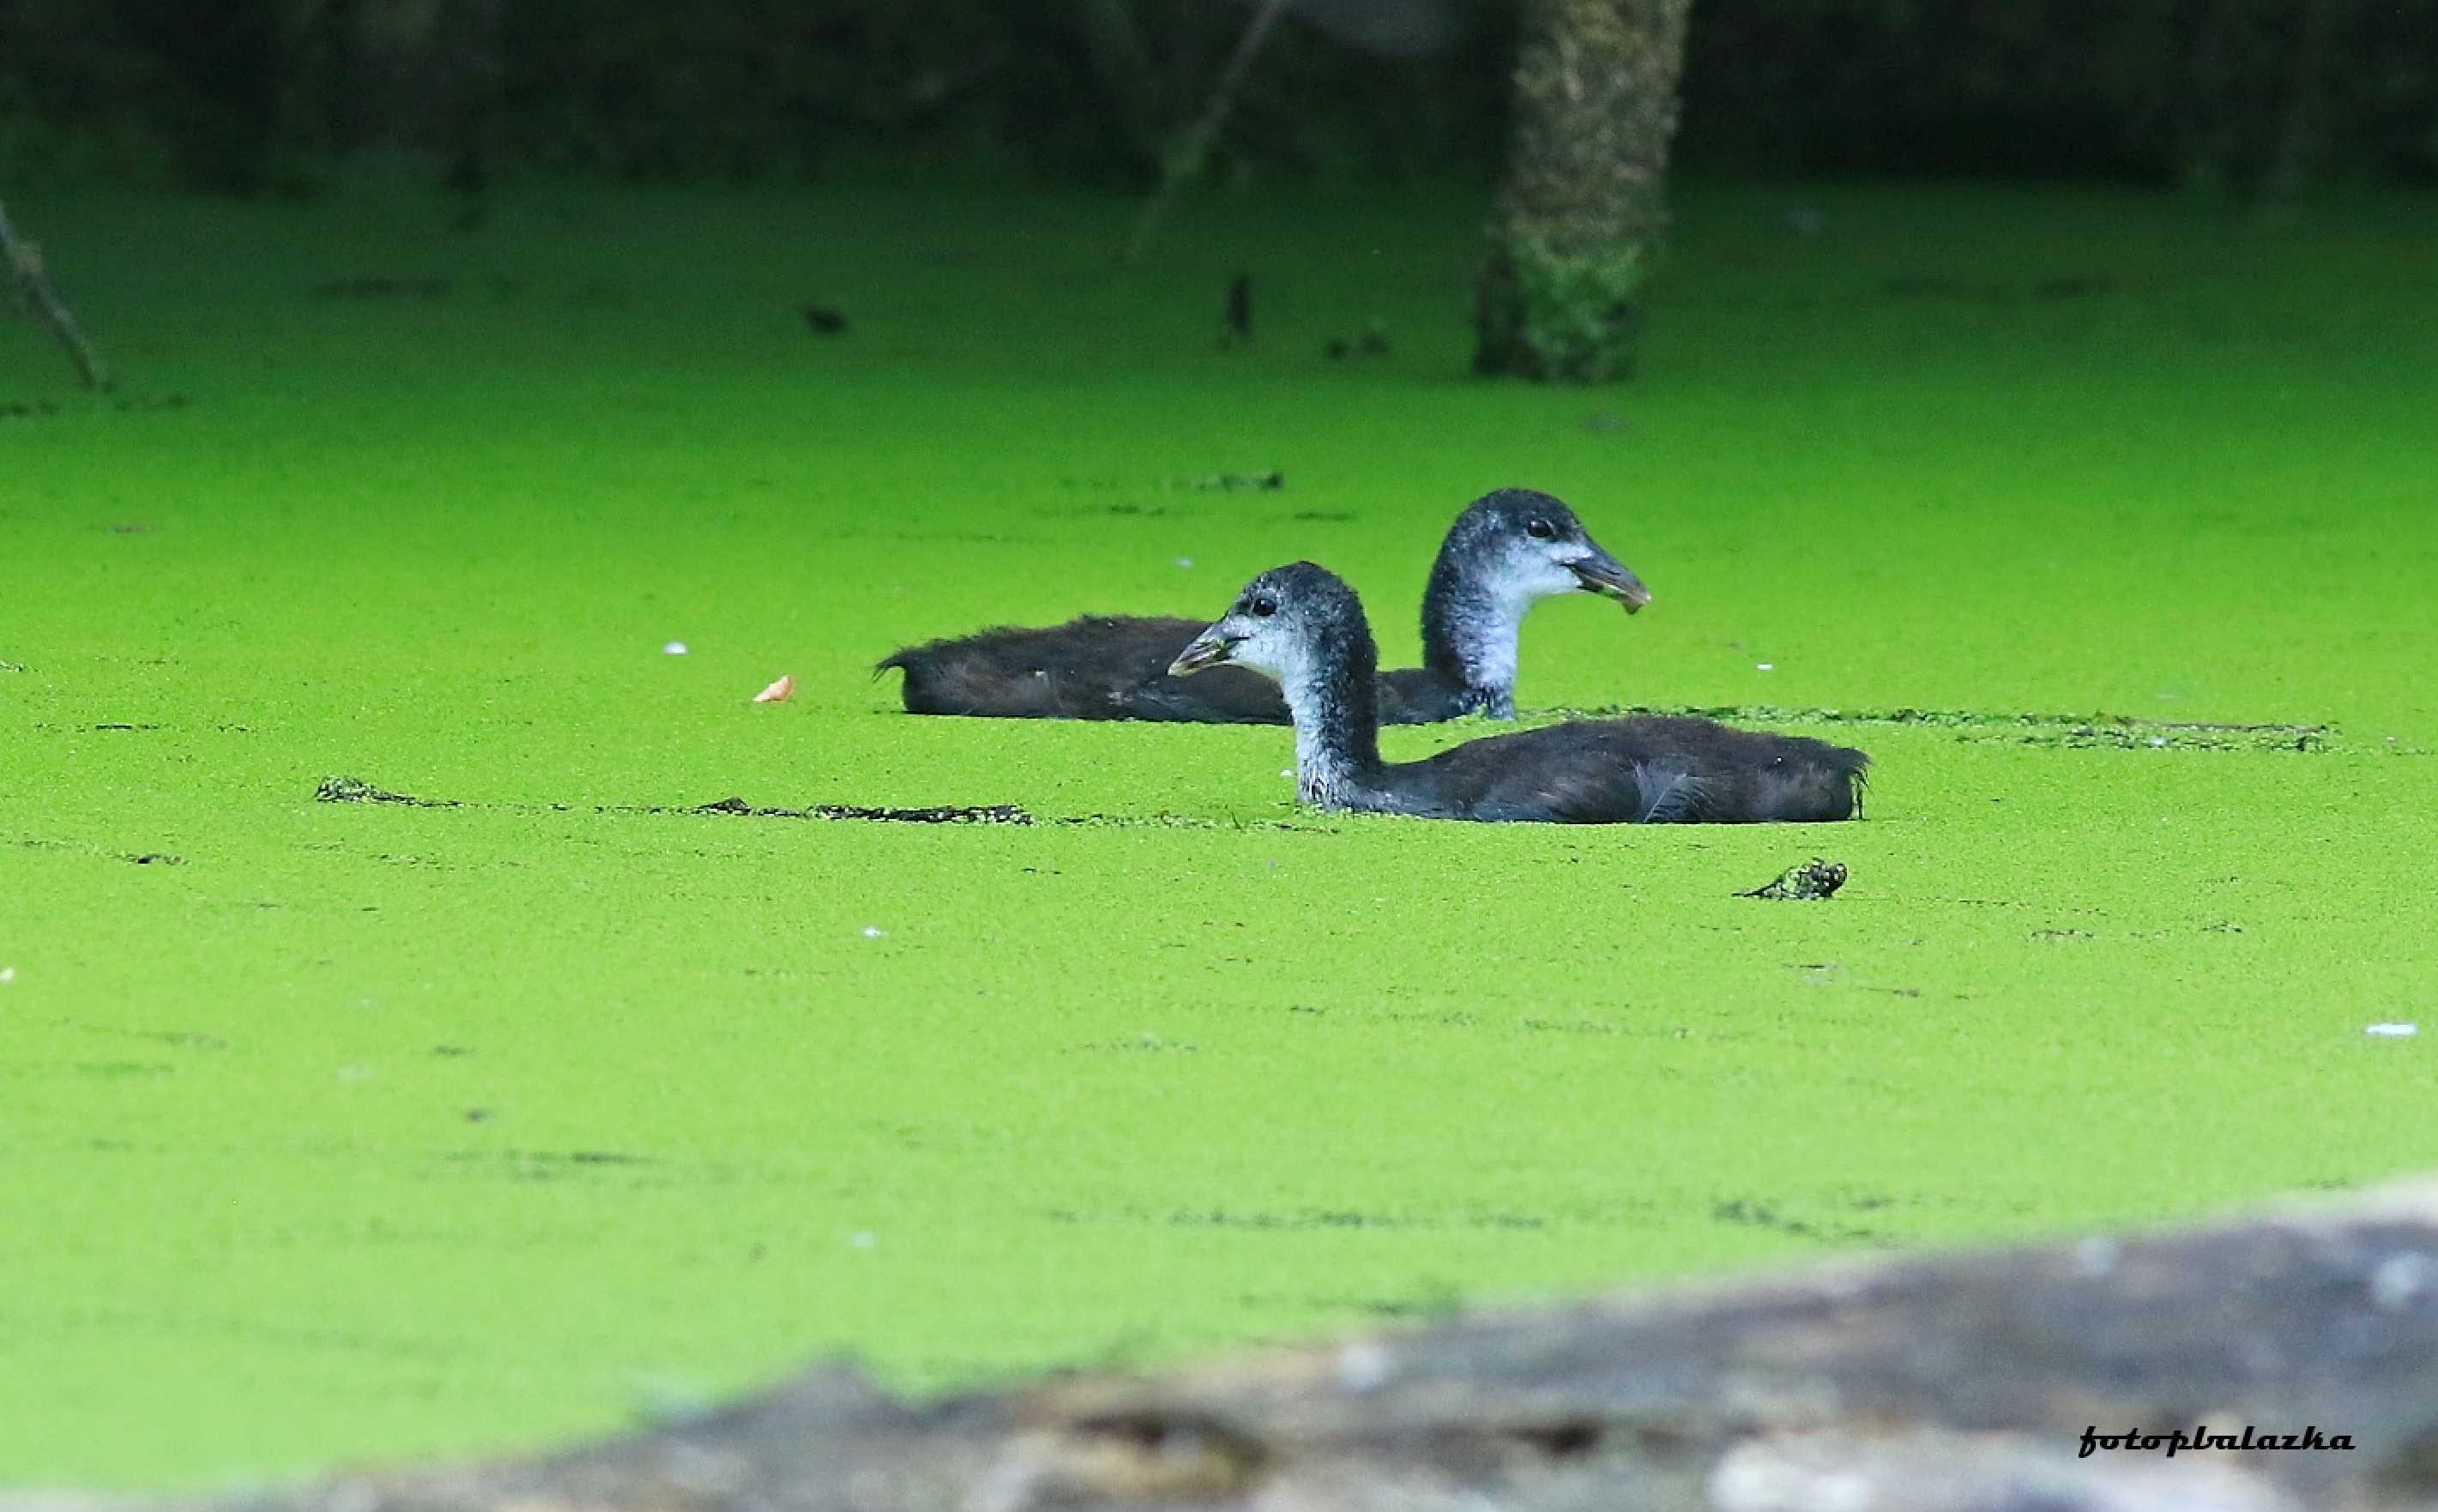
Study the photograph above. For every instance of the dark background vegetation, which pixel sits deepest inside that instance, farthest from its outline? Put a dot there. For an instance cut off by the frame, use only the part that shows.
(2247, 97)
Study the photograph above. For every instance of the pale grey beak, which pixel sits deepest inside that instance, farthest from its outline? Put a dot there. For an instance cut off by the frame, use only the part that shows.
(1604, 574)
(1209, 649)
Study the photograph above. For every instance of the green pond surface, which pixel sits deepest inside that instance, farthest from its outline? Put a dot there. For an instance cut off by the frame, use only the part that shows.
(351, 1131)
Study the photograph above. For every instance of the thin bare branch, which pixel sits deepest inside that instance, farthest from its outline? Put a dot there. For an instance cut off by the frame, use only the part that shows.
(24, 262)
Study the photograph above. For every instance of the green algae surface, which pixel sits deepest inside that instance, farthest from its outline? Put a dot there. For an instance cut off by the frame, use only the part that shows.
(349, 1130)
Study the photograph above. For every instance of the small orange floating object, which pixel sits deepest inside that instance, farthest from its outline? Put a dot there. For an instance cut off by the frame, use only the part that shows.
(778, 693)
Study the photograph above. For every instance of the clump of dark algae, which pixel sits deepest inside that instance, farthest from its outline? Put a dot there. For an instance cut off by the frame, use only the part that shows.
(356, 790)
(1814, 878)
(950, 813)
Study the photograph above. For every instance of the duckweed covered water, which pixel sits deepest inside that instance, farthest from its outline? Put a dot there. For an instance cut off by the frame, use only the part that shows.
(349, 1130)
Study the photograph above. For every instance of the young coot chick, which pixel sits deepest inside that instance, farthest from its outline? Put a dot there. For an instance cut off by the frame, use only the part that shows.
(1507, 551)
(1302, 626)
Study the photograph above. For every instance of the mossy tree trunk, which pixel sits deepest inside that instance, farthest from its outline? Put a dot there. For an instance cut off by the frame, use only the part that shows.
(1584, 214)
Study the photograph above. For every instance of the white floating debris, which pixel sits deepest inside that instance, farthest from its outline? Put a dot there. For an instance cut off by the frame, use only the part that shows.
(778, 693)
(2399, 1278)
(1764, 666)
(861, 1240)
(1185, 562)
(675, 648)
(8, 974)
(2392, 1032)
(2158, 743)
(875, 932)
(1287, 772)
(1364, 1365)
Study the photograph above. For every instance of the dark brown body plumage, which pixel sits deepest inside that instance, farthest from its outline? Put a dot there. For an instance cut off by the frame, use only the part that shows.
(1116, 667)
(1506, 550)
(1648, 770)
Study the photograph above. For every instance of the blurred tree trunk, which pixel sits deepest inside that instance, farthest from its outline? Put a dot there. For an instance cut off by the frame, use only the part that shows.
(2302, 125)
(1584, 214)
(2205, 118)
(1122, 59)
(465, 71)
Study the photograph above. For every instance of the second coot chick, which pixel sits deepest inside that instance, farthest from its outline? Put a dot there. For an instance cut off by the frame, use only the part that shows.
(1509, 550)
(1304, 626)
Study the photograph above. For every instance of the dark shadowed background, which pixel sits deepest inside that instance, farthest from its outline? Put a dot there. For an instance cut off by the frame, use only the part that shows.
(2242, 96)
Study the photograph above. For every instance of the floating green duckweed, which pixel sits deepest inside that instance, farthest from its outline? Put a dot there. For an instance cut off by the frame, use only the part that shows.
(379, 1129)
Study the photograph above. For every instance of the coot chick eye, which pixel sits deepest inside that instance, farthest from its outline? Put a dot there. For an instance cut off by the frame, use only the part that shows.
(1540, 530)
(1265, 607)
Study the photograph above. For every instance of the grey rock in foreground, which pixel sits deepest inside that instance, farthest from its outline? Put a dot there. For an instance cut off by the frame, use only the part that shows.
(1930, 1385)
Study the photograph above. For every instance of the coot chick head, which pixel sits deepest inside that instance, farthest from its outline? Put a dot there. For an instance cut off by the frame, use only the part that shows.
(1301, 625)
(1520, 544)
(1281, 625)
